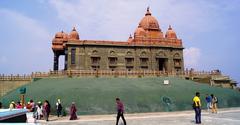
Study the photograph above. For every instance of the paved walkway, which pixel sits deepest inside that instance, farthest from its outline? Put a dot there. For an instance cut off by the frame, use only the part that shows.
(230, 116)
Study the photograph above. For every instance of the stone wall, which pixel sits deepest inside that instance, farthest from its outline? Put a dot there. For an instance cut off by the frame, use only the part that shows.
(9, 85)
(173, 57)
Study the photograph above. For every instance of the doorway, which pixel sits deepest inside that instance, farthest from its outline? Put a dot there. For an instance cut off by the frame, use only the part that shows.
(162, 64)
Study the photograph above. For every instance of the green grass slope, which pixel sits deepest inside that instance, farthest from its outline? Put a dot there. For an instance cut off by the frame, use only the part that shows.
(97, 95)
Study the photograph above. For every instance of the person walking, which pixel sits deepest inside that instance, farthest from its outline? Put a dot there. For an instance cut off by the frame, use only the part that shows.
(214, 103)
(73, 112)
(39, 112)
(197, 108)
(47, 110)
(208, 100)
(59, 107)
(120, 111)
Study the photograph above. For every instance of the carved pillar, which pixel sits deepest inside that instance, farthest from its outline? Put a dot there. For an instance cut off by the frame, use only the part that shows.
(66, 59)
(55, 65)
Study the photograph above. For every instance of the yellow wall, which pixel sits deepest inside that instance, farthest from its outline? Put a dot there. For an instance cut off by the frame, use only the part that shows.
(6, 86)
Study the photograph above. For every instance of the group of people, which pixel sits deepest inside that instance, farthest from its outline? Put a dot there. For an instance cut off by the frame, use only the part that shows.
(211, 104)
(73, 110)
(41, 111)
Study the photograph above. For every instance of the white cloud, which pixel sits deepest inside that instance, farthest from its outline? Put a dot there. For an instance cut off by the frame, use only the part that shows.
(192, 56)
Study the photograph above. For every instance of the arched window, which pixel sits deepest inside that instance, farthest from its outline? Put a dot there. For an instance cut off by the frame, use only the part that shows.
(94, 52)
(176, 55)
(143, 54)
(129, 53)
(161, 54)
(112, 53)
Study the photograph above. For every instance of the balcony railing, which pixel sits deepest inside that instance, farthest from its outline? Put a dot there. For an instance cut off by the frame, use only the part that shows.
(95, 64)
(144, 64)
(112, 64)
(129, 64)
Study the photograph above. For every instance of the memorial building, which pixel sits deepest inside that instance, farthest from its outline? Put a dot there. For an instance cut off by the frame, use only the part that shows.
(148, 49)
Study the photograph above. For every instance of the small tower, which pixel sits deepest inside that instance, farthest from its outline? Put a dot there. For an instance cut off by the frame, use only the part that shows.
(170, 34)
(74, 34)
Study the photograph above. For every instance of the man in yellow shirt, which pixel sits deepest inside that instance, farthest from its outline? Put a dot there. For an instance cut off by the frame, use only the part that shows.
(197, 108)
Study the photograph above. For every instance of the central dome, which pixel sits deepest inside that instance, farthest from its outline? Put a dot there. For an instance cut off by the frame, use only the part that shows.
(149, 22)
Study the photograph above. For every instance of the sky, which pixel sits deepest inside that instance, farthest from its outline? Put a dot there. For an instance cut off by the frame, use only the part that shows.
(208, 29)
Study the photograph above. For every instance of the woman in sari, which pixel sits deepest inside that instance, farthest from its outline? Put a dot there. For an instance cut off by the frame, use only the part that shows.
(73, 112)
